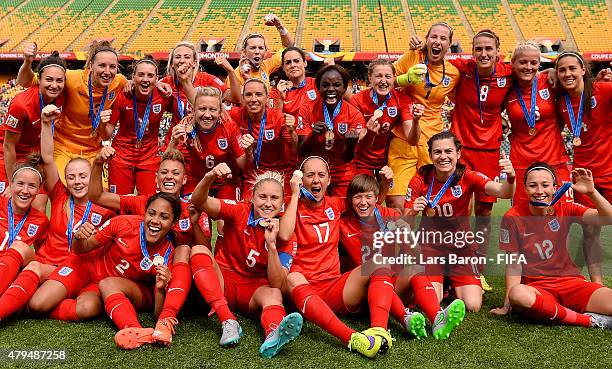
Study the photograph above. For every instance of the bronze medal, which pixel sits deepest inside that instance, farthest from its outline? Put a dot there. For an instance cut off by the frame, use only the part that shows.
(550, 210)
(576, 141)
(430, 212)
(378, 113)
(532, 131)
(329, 139)
(138, 144)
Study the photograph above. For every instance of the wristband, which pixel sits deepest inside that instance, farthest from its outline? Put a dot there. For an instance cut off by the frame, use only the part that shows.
(283, 31)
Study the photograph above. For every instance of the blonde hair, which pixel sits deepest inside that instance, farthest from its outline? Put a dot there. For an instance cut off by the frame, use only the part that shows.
(196, 57)
(269, 176)
(524, 47)
(206, 91)
(258, 80)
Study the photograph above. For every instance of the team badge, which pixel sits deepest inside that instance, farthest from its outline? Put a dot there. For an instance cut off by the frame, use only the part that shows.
(544, 94)
(32, 229)
(501, 82)
(112, 188)
(157, 108)
(554, 225)
(65, 271)
(96, 219)
(392, 111)
(11, 121)
(391, 185)
(222, 143)
(409, 194)
(504, 236)
(330, 213)
(184, 224)
(343, 128)
(269, 134)
(311, 94)
(2, 186)
(146, 263)
(593, 102)
(111, 95)
(446, 81)
(456, 190)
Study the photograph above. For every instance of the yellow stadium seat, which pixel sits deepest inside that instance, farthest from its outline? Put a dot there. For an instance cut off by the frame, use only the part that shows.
(328, 19)
(17, 26)
(490, 14)
(590, 24)
(287, 10)
(427, 12)
(224, 18)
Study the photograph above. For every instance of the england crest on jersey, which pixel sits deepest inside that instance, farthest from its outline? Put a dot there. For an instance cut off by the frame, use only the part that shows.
(409, 194)
(554, 225)
(446, 81)
(392, 111)
(112, 188)
(593, 102)
(157, 108)
(544, 94)
(342, 128)
(330, 213)
(222, 143)
(312, 95)
(32, 229)
(96, 219)
(184, 224)
(269, 134)
(2, 186)
(111, 95)
(65, 271)
(456, 190)
(501, 82)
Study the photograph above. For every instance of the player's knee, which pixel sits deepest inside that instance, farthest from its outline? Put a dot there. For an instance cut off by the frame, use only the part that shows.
(295, 279)
(181, 254)
(519, 297)
(88, 308)
(39, 304)
(472, 303)
(24, 250)
(109, 286)
(200, 249)
(34, 266)
(272, 296)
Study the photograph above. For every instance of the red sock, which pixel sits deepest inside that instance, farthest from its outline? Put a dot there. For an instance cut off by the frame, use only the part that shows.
(19, 293)
(425, 296)
(546, 308)
(271, 317)
(177, 292)
(65, 311)
(205, 278)
(317, 311)
(121, 311)
(10, 262)
(397, 309)
(380, 295)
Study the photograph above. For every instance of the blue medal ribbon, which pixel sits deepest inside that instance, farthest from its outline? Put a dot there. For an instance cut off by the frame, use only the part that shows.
(432, 204)
(477, 77)
(252, 222)
(576, 122)
(556, 197)
(14, 231)
(71, 220)
(262, 127)
(146, 263)
(304, 193)
(141, 128)
(181, 108)
(95, 117)
(374, 96)
(302, 84)
(530, 116)
(42, 105)
(428, 84)
(329, 122)
(379, 220)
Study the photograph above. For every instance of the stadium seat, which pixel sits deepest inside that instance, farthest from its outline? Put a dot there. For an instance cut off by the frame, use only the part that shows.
(287, 10)
(7, 6)
(590, 24)
(328, 19)
(490, 14)
(426, 12)
(536, 18)
(224, 18)
(17, 26)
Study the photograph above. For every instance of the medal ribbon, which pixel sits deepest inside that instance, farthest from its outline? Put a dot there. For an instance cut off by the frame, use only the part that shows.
(12, 229)
(95, 120)
(181, 108)
(302, 84)
(576, 122)
(71, 220)
(141, 128)
(252, 222)
(530, 116)
(481, 106)
(556, 197)
(262, 127)
(432, 204)
(428, 84)
(375, 100)
(143, 246)
(329, 122)
(304, 193)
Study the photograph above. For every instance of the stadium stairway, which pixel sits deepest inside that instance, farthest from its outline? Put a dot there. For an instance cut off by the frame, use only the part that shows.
(328, 19)
(490, 14)
(84, 32)
(515, 27)
(245, 28)
(426, 12)
(214, 23)
(141, 27)
(197, 19)
(8, 6)
(287, 10)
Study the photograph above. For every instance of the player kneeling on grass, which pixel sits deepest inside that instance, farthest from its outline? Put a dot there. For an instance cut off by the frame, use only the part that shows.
(252, 257)
(360, 221)
(549, 285)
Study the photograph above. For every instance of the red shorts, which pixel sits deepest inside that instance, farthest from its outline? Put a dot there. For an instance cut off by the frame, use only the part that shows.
(485, 162)
(603, 185)
(239, 290)
(331, 292)
(572, 292)
(439, 263)
(340, 179)
(123, 177)
(562, 173)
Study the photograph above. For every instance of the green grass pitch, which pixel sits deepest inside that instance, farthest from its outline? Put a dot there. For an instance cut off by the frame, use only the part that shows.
(482, 341)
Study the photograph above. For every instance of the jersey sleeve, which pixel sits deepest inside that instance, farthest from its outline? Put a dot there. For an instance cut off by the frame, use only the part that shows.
(230, 210)
(116, 109)
(58, 190)
(108, 231)
(476, 180)
(273, 63)
(405, 62)
(132, 205)
(350, 244)
(509, 235)
(356, 102)
(17, 116)
(575, 209)
(357, 119)
(405, 106)
(414, 191)
(215, 81)
(235, 134)
(461, 64)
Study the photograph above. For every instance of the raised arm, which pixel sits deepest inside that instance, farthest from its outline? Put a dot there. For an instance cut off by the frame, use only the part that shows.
(49, 113)
(234, 94)
(277, 272)
(273, 20)
(26, 74)
(583, 183)
(411, 128)
(200, 198)
(287, 221)
(505, 189)
(96, 193)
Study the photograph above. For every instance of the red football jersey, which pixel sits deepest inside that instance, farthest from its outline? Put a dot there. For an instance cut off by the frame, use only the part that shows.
(356, 242)
(23, 117)
(318, 232)
(542, 240)
(135, 205)
(242, 249)
(297, 97)
(595, 151)
(546, 144)
(218, 146)
(56, 249)
(276, 138)
(397, 112)
(119, 254)
(467, 124)
(33, 231)
(125, 141)
(348, 119)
